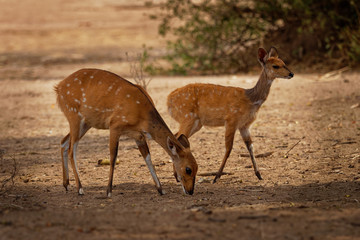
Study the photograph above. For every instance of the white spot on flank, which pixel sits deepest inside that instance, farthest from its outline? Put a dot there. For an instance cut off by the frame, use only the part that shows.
(186, 115)
(61, 96)
(96, 109)
(124, 119)
(75, 79)
(68, 92)
(76, 100)
(91, 76)
(80, 114)
(82, 89)
(84, 73)
(128, 95)
(84, 99)
(137, 102)
(83, 94)
(117, 91)
(109, 89)
(100, 82)
(68, 85)
(90, 107)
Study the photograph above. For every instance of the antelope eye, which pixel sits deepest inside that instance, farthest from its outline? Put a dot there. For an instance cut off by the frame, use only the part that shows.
(188, 171)
(276, 67)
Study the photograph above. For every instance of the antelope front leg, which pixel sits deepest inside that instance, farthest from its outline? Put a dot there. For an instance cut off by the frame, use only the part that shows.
(229, 140)
(114, 144)
(144, 150)
(72, 155)
(64, 159)
(245, 133)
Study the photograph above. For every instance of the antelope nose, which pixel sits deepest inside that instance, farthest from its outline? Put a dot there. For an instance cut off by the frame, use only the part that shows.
(291, 74)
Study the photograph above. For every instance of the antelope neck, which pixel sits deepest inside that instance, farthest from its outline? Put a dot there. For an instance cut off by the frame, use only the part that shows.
(160, 131)
(261, 90)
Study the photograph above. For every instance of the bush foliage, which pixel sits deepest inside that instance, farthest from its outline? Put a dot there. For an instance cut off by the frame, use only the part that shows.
(215, 37)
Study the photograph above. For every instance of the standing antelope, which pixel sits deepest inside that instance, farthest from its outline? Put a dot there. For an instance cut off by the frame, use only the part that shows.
(197, 105)
(100, 99)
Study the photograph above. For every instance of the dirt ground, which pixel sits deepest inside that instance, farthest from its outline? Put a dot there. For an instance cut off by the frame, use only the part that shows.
(310, 124)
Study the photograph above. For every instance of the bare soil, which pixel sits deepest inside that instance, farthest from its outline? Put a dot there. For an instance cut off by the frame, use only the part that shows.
(310, 125)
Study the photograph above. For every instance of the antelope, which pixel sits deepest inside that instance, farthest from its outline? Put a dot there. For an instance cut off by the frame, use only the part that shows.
(197, 105)
(103, 100)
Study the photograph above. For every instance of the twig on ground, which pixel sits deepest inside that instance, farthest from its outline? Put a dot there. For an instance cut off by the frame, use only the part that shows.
(346, 142)
(5, 181)
(286, 154)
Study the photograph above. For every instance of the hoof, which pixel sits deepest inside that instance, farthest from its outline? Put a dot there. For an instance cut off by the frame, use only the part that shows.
(258, 175)
(66, 184)
(109, 195)
(81, 191)
(161, 192)
(216, 178)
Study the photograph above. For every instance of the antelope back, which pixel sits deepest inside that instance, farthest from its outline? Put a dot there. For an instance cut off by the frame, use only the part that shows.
(211, 104)
(102, 98)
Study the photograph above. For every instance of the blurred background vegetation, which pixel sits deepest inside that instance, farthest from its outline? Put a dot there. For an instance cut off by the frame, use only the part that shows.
(222, 36)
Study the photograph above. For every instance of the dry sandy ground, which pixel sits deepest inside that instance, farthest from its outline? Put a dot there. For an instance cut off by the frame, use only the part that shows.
(313, 193)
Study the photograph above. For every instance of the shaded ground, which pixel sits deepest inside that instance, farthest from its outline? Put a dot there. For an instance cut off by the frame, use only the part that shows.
(313, 193)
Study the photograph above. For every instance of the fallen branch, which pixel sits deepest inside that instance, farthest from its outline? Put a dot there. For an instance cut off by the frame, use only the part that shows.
(333, 74)
(251, 190)
(261, 155)
(214, 174)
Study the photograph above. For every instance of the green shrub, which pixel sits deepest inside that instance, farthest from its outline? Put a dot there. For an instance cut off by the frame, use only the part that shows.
(215, 37)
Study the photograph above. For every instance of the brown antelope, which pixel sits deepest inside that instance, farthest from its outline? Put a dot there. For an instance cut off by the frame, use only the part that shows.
(103, 100)
(197, 105)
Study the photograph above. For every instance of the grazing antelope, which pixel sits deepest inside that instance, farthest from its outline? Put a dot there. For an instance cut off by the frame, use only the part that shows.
(103, 100)
(197, 105)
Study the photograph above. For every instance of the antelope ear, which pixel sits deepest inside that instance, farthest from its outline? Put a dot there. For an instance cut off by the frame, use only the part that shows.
(261, 56)
(184, 141)
(171, 146)
(273, 52)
